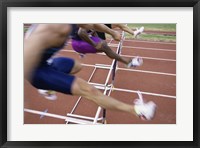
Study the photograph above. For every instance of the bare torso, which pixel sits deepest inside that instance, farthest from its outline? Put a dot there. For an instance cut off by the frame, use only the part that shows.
(43, 36)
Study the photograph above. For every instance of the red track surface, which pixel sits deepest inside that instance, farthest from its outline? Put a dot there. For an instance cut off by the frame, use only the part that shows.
(156, 76)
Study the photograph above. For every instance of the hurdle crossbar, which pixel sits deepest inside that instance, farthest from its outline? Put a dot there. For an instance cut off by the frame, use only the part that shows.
(79, 121)
(44, 113)
(69, 119)
(147, 93)
(82, 117)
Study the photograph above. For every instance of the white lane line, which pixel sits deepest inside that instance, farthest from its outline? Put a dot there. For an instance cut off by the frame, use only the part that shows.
(146, 93)
(153, 42)
(145, 48)
(161, 59)
(134, 70)
(88, 65)
(150, 58)
(144, 71)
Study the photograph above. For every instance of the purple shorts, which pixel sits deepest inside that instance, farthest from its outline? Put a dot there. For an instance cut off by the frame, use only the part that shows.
(81, 46)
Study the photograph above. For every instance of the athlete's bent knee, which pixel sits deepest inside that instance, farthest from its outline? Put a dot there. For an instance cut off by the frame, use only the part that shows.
(82, 88)
(77, 67)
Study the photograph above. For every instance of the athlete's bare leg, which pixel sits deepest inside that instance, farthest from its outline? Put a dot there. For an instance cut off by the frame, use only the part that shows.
(111, 54)
(76, 68)
(81, 88)
(124, 28)
(102, 47)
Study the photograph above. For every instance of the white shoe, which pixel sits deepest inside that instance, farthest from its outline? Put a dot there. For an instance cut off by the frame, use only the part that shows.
(145, 111)
(135, 62)
(138, 31)
(48, 94)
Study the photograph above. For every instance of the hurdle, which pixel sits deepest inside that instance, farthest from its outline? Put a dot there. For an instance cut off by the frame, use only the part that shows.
(106, 87)
(113, 71)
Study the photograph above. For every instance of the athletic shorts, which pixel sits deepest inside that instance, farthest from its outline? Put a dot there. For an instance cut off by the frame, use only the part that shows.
(54, 75)
(84, 47)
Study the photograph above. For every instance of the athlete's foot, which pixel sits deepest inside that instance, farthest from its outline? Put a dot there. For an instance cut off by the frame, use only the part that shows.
(135, 62)
(144, 110)
(138, 31)
(50, 95)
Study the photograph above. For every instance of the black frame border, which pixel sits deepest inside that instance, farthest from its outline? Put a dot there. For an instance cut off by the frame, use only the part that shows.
(4, 4)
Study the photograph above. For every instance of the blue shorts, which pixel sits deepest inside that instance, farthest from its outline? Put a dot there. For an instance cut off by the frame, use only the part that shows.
(54, 75)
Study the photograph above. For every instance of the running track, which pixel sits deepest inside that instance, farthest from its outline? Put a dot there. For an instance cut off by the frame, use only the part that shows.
(156, 79)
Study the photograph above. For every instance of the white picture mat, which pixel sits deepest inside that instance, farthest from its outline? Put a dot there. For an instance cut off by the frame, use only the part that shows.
(181, 131)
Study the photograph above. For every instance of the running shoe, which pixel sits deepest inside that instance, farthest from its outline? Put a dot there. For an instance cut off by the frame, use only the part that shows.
(48, 94)
(138, 31)
(135, 62)
(144, 110)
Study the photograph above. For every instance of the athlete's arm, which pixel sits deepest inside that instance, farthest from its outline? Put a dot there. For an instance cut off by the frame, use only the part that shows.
(85, 37)
(33, 50)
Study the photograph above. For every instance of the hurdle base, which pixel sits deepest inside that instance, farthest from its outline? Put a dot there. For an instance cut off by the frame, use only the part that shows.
(78, 119)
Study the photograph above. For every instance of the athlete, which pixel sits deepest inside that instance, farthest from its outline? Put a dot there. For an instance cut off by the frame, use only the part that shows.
(88, 42)
(45, 72)
(84, 42)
